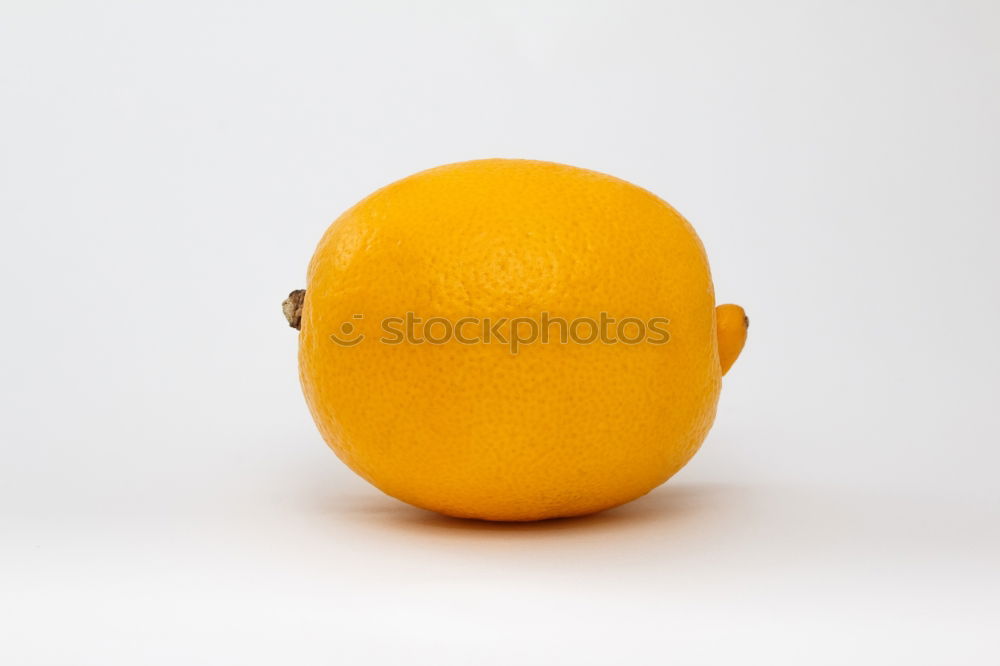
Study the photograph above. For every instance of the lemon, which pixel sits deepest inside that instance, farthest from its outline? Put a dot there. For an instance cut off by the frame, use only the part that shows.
(415, 294)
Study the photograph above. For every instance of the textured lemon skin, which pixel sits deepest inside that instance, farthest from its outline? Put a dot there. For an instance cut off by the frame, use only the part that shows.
(474, 430)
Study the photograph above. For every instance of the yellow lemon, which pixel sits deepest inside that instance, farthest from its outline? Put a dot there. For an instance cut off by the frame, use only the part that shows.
(513, 340)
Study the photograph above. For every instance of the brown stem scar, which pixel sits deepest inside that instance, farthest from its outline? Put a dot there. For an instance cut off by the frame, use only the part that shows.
(292, 307)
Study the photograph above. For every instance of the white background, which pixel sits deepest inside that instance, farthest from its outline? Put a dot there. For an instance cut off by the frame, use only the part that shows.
(166, 169)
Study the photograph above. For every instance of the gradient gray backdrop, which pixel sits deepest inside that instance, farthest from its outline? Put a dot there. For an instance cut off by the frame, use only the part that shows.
(167, 167)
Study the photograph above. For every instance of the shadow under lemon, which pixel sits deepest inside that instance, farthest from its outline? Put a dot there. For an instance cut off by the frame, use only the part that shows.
(674, 503)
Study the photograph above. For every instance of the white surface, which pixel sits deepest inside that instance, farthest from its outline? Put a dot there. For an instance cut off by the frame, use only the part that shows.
(166, 169)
